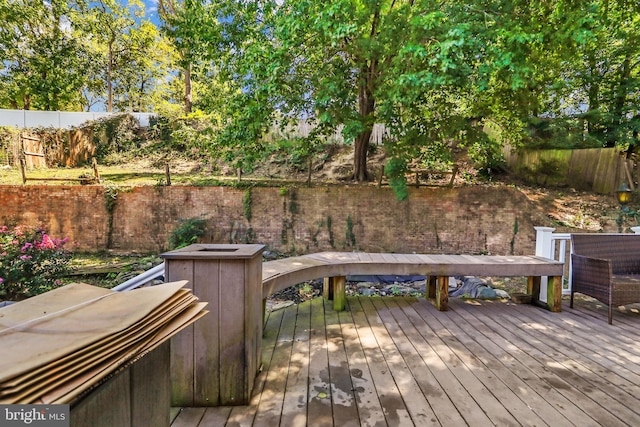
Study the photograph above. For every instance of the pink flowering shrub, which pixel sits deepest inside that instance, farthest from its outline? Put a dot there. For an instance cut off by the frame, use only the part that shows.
(31, 262)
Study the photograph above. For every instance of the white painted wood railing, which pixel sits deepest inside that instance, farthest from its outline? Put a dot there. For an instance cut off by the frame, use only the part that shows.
(553, 246)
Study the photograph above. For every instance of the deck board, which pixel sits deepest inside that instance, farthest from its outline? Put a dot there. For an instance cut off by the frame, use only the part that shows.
(294, 407)
(525, 366)
(525, 404)
(436, 380)
(369, 406)
(398, 361)
(345, 412)
(592, 373)
(319, 393)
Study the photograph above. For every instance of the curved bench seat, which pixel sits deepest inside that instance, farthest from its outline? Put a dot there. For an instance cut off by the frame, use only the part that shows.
(282, 273)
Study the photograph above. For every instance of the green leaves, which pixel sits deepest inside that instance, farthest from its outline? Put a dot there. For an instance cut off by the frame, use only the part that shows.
(68, 55)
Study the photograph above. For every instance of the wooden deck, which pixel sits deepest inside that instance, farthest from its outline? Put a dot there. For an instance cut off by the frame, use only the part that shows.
(398, 361)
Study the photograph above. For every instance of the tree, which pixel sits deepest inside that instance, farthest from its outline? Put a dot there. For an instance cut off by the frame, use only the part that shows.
(191, 26)
(42, 63)
(68, 55)
(111, 25)
(431, 71)
(605, 74)
(143, 68)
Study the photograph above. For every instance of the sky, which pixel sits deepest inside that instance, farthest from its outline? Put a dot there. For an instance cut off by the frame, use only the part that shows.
(151, 9)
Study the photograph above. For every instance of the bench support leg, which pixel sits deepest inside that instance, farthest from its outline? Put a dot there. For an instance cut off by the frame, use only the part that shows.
(327, 288)
(438, 291)
(554, 293)
(533, 288)
(334, 288)
(431, 287)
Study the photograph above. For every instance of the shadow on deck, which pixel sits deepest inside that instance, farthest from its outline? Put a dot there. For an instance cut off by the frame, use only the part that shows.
(398, 361)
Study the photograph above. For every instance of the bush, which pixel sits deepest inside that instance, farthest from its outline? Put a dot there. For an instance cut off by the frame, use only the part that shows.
(188, 232)
(31, 262)
(115, 135)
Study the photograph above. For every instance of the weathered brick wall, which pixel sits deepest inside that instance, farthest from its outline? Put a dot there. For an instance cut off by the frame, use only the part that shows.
(433, 220)
(77, 212)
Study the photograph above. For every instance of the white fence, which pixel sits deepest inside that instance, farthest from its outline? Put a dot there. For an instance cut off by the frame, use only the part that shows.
(58, 119)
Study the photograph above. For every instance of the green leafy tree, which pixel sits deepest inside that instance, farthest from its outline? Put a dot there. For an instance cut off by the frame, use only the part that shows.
(604, 76)
(191, 26)
(431, 71)
(72, 55)
(143, 69)
(112, 26)
(42, 62)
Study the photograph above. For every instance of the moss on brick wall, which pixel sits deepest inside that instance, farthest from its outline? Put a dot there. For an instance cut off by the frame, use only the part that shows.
(473, 220)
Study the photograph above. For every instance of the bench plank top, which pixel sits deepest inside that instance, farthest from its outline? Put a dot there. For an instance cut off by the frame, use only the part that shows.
(282, 273)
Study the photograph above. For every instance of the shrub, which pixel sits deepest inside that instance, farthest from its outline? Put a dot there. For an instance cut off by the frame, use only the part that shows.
(31, 262)
(188, 232)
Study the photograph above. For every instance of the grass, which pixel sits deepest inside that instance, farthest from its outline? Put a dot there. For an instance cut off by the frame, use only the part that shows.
(108, 270)
(133, 176)
(117, 174)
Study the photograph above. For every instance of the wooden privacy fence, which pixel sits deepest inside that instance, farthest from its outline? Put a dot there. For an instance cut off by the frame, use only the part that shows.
(62, 148)
(601, 170)
(32, 155)
(31, 151)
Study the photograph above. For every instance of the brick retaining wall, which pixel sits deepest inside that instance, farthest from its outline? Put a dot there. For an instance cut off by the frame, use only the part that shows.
(471, 219)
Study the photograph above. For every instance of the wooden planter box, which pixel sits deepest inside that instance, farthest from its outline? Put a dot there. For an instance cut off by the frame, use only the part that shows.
(137, 396)
(215, 361)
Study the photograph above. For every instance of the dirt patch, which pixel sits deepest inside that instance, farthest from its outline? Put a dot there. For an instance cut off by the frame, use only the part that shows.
(572, 209)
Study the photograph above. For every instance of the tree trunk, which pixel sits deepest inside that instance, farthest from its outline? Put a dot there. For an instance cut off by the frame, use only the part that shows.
(594, 127)
(109, 80)
(188, 97)
(366, 109)
(619, 102)
(361, 149)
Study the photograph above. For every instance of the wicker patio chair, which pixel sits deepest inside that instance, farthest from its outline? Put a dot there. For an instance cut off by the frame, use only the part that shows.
(607, 268)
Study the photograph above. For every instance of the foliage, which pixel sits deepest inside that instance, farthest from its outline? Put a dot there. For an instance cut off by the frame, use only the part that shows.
(31, 262)
(486, 156)
(131, 63)
(190, 135)
(72, 55)
(603, 78)
(187, 232)
(8, 146)
(111, 192)
(246, 204)
(430, 71)
(396, 169)
(191, 26)
(114, 134)
(350, 236)
(439, 75)
(42, 63)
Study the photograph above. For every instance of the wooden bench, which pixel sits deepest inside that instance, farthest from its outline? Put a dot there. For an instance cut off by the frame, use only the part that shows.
(334, 266)
(607, 268)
